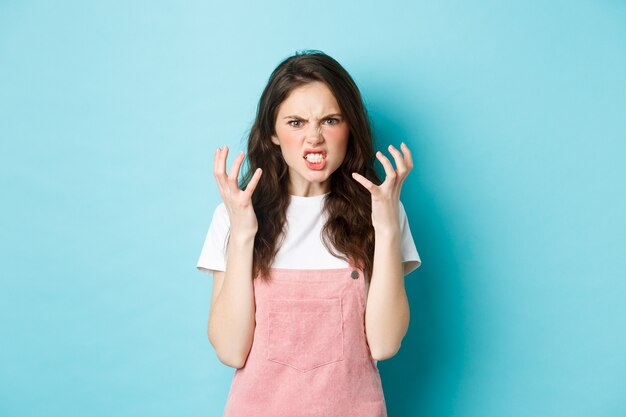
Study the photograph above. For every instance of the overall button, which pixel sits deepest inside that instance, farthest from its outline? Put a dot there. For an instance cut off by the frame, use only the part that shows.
(354, 274)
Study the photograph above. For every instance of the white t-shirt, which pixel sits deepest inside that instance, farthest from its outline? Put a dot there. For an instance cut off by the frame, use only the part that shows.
(302, 247)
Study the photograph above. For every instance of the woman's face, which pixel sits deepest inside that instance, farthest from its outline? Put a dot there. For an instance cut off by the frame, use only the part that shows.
(309, 122)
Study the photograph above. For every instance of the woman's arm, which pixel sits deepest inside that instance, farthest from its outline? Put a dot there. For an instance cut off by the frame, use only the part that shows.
(387, 313)
(387, 308)
(231, 317)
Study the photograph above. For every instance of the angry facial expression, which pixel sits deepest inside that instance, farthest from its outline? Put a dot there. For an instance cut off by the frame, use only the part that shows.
(313, 137)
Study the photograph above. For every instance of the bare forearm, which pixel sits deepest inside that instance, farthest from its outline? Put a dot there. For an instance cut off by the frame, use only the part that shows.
(232, 322)
(387, 312)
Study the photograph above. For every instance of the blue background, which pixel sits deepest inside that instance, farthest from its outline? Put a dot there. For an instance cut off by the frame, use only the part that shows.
(515, 112)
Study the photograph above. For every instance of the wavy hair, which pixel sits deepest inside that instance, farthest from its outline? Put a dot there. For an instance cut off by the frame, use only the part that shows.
(348, 233)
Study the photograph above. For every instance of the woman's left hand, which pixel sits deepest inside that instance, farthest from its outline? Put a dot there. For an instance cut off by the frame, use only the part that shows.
(385, 197)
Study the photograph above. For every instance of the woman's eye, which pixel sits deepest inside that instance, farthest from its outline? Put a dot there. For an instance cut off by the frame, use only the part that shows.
(334, 121)
(291, 123)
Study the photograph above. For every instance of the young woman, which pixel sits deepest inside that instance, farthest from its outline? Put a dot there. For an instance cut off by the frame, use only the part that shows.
(308, 252)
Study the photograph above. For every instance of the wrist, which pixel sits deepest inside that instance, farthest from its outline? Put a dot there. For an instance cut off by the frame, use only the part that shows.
(242, 236)
(387, 231)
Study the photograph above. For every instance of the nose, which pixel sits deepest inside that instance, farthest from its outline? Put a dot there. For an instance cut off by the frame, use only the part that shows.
(314, 134)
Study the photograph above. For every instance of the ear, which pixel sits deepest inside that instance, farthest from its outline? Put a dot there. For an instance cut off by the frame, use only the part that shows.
(275, 140)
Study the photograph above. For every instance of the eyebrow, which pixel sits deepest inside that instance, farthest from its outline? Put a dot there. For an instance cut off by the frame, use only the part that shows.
(324, 117)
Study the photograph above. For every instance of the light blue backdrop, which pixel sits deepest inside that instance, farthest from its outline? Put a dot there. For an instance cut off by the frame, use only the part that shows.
(515, 112)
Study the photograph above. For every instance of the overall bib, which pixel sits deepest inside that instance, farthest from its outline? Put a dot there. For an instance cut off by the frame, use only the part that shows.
(309, 356)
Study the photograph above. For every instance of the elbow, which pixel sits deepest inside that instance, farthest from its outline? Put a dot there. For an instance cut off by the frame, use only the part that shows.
(232, 361)
(228, 357)
(382, 354)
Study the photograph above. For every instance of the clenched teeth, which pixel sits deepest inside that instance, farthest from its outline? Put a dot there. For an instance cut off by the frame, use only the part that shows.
(314, 157)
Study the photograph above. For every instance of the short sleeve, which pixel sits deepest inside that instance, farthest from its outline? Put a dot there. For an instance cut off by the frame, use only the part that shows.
(410, 257)
(213, 254)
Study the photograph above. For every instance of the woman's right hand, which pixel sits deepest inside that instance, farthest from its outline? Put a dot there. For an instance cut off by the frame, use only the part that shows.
(238, 202)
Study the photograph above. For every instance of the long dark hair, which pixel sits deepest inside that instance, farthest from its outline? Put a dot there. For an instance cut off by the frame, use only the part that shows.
(348, 228)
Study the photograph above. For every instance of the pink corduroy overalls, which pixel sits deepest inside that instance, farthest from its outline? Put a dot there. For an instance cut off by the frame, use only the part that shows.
(309, 356)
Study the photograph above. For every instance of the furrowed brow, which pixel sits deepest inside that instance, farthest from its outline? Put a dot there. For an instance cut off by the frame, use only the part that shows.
(324, 117)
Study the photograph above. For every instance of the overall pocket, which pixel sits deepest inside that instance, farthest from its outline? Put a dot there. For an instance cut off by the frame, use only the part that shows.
(305, 333)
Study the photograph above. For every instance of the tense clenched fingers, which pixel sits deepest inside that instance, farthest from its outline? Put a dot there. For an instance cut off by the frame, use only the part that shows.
(217, 160)
(398, 158)
(408, 157)
(234, 170)
(220, 162)
(217, 164)
(253, 182)
(370, 186)
(238, 202)
(223, 158)
(389, 171)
